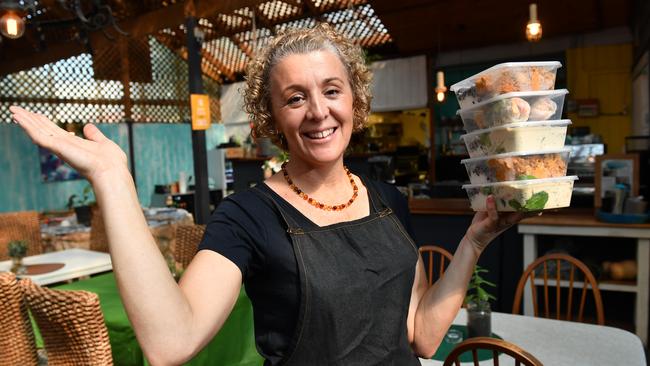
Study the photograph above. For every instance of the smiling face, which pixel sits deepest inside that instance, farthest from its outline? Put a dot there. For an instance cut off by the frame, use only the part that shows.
(311, 104)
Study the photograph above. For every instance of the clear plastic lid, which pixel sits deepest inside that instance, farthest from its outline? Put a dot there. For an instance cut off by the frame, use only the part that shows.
(551, 123)
(510, 154)
(524, 94)
(470, 80)
(523, 182)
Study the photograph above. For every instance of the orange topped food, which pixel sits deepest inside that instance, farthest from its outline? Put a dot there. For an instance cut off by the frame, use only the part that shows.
(535, 166)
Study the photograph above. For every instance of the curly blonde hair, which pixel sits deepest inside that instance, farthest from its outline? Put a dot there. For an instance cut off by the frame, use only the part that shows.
(257, 96)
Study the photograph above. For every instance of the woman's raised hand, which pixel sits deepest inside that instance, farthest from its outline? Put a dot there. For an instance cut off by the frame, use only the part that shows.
(487, 225)
(92, 157)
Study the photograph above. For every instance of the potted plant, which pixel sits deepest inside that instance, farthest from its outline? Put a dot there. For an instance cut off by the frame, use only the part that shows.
(17, 251)
(477, 301)
(81, 205)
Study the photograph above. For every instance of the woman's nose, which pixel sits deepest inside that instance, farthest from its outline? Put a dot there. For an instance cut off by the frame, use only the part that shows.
(318, 108)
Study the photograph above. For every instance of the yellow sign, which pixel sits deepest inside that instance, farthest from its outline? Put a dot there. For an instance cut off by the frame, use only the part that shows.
(200, 111)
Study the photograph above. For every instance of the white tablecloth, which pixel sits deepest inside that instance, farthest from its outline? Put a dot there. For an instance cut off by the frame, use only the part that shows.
(563, 343)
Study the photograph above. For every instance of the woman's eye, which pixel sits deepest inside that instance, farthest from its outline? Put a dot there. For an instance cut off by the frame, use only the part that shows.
(333, 92)
(294, 100)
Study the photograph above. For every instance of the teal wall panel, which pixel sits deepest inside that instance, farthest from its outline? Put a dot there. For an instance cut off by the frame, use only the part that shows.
(21, 173)
(161, 152)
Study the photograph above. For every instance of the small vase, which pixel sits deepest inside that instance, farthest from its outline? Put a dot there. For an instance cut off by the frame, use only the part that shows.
(17, 266)
(479, 319)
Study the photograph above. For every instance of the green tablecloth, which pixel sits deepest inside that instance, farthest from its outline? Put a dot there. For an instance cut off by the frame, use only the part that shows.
(233, 345)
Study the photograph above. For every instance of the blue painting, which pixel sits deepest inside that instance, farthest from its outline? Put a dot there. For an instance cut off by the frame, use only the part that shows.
(53, 169)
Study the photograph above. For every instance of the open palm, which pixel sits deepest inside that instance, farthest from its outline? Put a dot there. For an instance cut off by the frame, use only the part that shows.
(91, 157)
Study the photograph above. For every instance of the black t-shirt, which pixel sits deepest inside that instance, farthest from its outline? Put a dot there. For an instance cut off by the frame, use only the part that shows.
(250, 232)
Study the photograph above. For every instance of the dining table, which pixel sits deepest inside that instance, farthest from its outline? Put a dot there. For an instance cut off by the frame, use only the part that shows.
(233, 345)
(558, 342)
(63, 265)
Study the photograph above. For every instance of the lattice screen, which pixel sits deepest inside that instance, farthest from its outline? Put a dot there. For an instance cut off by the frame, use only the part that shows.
(68, 91)
(230, 41)
(91, 89)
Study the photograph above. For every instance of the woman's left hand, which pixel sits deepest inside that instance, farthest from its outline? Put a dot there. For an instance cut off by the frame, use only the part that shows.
(487, 225)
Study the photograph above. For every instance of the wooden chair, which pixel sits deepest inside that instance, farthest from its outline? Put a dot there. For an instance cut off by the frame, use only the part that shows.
(98, 238)
(444, 257)
(17, 346)
(520, 356)
(71, 323)
(187, 239)
(22, 225)
(555, 279)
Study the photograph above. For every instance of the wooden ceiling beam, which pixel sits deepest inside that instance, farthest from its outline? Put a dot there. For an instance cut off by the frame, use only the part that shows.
(138, 26)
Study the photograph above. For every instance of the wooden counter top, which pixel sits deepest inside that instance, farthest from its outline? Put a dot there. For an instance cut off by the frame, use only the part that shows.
(576, 217)
(440, 206)
(561, 217)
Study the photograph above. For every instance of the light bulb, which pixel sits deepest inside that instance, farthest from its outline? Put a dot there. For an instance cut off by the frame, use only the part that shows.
(440, 87)
(534, 27)
(12, 25)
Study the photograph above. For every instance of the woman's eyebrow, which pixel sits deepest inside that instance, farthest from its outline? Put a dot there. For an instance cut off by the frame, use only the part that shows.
(332, 79)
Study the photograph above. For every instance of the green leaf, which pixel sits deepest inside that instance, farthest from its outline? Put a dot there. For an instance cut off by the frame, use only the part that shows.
(486, 190)
(525, 177)
(536, 202)
(484, 139)
(515, 204)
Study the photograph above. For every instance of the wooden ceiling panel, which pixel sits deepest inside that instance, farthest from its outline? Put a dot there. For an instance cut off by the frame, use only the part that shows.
(414, 24)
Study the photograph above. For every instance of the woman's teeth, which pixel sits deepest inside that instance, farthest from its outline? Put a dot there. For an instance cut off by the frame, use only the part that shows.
(320, 134)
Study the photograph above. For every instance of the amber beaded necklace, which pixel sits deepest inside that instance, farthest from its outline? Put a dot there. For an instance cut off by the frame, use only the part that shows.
(317, 204)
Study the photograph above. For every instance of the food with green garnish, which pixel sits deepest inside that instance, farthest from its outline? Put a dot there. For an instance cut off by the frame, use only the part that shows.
(523, 195)
(517, 137)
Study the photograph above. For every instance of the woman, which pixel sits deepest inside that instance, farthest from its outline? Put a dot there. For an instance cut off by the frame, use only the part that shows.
(333, 276)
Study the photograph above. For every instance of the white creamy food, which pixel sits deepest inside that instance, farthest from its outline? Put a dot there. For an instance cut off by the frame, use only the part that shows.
(517, 137)
(529, 195)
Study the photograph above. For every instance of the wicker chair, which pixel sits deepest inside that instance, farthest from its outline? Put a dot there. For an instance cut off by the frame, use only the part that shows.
(22, 225)
(520, 356)
(552, 278)
(187, 239)
(431, 251)
(71, 323)
(17, 345)
(98, 238)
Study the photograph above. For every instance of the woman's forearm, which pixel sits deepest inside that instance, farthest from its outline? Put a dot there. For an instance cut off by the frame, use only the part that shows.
(440, 303)
(153, 301)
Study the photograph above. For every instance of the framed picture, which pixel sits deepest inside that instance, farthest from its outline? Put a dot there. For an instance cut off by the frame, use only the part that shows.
(612, 170)
(53, 169)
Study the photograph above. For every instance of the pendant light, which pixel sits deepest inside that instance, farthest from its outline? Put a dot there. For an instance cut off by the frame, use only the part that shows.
(534, 27)
(440, 87)
(12, 24)
(12, 13)
(440, 77)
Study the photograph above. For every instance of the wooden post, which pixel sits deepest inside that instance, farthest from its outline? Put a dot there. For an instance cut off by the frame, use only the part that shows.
(201, 191)
(127, 101)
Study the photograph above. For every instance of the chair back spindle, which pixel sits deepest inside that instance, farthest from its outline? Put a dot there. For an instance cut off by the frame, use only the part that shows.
(553, 277)
(497, 346)
(431, 252)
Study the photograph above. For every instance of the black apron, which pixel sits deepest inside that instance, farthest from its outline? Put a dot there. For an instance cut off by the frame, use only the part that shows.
(355, 280)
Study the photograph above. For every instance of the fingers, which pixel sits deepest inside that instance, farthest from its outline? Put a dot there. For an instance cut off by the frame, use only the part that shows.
(491, 206)
(35, 127)
(93, 133)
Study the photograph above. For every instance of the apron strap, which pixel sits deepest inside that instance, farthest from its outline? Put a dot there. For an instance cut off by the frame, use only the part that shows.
(377, 202)
(292, 225)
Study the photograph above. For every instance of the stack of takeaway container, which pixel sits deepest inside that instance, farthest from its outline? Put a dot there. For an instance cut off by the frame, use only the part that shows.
(515, 137)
